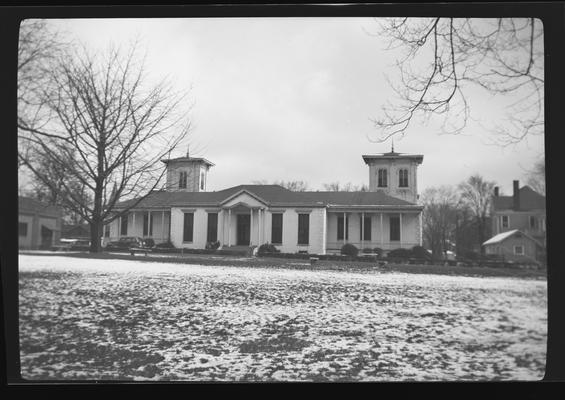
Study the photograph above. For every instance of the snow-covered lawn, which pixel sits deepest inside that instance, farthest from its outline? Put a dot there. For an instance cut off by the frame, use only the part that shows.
(118, 319)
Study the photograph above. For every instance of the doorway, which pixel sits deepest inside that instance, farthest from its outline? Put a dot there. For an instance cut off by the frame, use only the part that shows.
(243, 229)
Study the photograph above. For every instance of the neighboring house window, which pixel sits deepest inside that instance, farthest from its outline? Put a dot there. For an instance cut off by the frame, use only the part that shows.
(519, 250)
(394, 228)
(188, 227)
(202, 181)
(107, 231)
(147, 224)
(533, 224)
(366, 227)
(212, 227)
(505, 221)
(382, 178)
(340, 227)
(303, 228)
(124, 225)
(276, 228)
(182, 180)
(403, 178)
(22, 228)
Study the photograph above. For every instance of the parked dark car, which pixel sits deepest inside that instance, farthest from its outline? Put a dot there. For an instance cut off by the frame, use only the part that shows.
(126, 243)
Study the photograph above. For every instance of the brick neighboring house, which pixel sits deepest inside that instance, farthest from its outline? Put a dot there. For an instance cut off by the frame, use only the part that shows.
(523, 212)
(39, 224)
(387, 216)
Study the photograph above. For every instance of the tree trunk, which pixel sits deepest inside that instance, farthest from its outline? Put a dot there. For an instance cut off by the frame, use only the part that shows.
(95, 236)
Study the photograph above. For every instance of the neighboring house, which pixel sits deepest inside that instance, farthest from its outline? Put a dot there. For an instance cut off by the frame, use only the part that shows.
(524, 211)
(386, 216)
(39, 224)
(515, 246)
(79, 231)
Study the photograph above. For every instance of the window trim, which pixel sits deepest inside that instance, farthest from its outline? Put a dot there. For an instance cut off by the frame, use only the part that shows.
(273, 228)
(390, 231)
(403, 179)
(382, 180)
(307, 219)
(183, 180)
(208, 240)
(521, 253)
(502, 221)
(363, 225)
(184, 228)
(340, 230)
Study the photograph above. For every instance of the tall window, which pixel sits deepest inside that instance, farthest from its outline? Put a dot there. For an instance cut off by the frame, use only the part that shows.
(505, 221)
(202, 181)
(303, 228)
(107, 231)
(22, 228)
(212, 235)
(147, 224)
(533, 224)
(403, 178)
(382, 178)
(276, 228)
(340, 220)
(394, 227)
(188, 227)
(124, 225)
(182, 180)
(365, 228)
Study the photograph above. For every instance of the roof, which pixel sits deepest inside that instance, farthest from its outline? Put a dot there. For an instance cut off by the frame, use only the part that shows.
(32, 206)
(190, 159)
(273, 195)
(501, 237)
(529, 200)
(393, 155)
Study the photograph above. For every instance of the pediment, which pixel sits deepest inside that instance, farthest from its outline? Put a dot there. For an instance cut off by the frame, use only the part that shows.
(244, 199)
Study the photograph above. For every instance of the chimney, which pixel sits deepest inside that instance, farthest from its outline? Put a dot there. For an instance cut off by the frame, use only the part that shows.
(516, 195)
(496, 191)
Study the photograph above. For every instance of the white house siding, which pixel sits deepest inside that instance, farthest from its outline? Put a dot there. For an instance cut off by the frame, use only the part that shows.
(25, 241)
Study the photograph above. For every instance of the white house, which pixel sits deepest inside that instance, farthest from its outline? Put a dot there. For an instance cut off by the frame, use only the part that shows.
(316, 222)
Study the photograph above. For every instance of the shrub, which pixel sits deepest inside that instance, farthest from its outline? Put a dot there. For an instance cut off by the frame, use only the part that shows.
(421, 253)
(378, 250)
(213, 245)
(349, 250)
(165, 245)
(400, 253)
(267, 248)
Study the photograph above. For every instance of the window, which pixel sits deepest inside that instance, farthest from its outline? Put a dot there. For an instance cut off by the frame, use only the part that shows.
(303, 228)
(403, 178)
(147, 224)
(107, 231)
(533, 224)
(212, 227)
(365, 228)
(276, 228)
(394, 227)
(188, 226)
(124, 225)
(519, 250)
(382, 178)
(182, 180)
(22, 227)
(505, 221)
(202, 181)
(340, 227)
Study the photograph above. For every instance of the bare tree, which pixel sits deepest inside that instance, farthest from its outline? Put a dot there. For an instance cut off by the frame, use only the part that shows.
(348, 187)
(439, 218)
(536, 177)
(109, 129)
(476, 194)
(443, 57)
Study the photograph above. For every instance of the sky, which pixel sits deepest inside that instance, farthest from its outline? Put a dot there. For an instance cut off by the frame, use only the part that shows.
(292, 99)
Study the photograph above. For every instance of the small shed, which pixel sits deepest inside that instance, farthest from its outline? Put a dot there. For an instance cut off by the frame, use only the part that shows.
(514, 245)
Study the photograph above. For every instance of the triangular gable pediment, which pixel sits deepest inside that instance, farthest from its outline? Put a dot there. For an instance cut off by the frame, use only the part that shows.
(244, 198)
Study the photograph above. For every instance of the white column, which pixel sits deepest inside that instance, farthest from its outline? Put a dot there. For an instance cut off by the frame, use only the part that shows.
(251, 227)
(382, 237)
(163, 225)
(149, 224)
(259, 230)
(132, 233)
(400, 228)
(344, 226)
(229, 227)
(362, 229)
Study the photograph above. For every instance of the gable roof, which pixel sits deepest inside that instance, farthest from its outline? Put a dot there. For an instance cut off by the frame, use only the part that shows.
(273, 195)
(501, 237)
(529, 200)
(32, 206)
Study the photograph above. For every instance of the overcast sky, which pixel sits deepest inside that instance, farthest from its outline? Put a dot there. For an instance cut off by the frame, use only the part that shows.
(292, 98)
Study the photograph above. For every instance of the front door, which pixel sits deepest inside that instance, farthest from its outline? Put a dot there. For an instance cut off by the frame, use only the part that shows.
(243, 229)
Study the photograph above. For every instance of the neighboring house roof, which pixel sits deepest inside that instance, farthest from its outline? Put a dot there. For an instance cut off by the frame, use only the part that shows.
(529, 200)
(27, 205)
(274, 195)
(501, 237)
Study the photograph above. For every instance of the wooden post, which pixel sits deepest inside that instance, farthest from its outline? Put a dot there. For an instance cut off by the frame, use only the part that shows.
(251, 227)
(229, 227)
